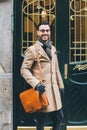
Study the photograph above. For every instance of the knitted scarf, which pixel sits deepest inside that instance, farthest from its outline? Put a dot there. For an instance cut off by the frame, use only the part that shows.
(47, 47)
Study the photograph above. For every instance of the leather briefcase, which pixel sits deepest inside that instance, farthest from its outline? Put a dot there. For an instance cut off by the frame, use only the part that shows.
(32, 100)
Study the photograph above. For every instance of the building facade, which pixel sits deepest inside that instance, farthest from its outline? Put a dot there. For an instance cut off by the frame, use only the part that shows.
(6, 48)
(68, 21)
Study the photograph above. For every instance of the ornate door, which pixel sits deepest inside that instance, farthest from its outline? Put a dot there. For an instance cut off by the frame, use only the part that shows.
(27, 15)
(75, 67)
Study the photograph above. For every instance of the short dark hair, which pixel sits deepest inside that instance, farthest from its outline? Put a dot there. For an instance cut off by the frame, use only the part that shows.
(42, 23)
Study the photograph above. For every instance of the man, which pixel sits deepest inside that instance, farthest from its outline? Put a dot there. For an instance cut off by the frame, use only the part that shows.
(52, 82)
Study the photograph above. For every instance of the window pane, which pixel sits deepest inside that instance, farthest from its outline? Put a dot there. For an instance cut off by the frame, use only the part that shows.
(78, 30)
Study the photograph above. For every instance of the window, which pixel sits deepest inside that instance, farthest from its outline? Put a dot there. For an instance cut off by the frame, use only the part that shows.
(78, 30)
(34, 11)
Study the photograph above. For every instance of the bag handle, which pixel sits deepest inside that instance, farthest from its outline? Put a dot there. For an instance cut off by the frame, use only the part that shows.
(40, 70)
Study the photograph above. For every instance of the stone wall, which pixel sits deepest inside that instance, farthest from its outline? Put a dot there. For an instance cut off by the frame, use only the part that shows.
(6, 43)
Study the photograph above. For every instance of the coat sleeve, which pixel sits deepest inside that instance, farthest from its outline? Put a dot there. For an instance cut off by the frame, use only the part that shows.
(26, 68)
(58, 75)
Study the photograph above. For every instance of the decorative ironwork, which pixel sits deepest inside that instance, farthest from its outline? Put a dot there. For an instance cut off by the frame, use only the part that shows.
(78, 30)
(80, 67)
(34, 11)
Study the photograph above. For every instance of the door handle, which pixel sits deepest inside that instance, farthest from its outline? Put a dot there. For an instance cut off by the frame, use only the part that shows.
(65, 71)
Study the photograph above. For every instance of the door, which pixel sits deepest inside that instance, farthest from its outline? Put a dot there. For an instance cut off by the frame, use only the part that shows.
(75, 66)
(27, 15)
(68, 20)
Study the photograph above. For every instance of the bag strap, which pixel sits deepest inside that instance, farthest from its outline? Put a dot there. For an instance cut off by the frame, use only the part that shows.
(40, 70)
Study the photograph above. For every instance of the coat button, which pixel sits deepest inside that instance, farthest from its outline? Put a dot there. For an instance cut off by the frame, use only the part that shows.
(43, 81)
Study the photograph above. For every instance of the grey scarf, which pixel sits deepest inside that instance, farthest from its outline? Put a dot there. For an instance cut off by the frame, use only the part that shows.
(47, 47)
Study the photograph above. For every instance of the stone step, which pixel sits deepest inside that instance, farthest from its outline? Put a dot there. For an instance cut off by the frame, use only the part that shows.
(31, 128)
(50, 128)
(76, 128)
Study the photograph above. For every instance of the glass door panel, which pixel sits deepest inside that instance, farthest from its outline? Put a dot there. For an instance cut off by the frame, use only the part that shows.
(33, 12)
(78, 31)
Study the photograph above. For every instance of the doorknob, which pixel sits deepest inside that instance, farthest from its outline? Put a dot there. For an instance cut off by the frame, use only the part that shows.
(65, 71)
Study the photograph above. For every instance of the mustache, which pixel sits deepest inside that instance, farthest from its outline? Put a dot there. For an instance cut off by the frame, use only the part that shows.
(45, 35)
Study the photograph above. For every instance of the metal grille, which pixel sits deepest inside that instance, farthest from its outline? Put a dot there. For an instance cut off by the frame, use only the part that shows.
(33, 12)
(78, 31)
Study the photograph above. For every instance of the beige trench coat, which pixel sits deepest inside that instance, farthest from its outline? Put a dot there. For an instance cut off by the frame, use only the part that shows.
(50, 74)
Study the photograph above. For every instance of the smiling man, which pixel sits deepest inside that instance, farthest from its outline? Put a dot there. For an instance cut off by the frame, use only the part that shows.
(52, 82)
(44, 32)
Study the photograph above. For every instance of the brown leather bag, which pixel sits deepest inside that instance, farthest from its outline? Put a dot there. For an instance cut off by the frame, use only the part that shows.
(31, 99)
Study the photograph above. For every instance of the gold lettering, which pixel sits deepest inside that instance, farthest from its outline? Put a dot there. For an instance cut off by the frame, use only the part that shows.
(80, 67)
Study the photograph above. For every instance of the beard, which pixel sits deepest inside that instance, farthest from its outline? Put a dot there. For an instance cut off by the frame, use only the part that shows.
(44, 38)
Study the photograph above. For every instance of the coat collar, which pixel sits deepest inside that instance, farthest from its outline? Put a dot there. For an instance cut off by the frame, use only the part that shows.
(41, 50)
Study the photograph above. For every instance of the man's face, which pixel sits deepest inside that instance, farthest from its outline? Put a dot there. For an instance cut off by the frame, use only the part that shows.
(44, 32)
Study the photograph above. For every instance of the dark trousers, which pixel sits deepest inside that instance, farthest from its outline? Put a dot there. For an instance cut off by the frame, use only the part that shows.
(56, 116)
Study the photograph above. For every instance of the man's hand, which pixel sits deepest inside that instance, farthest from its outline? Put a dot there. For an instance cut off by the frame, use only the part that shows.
(40, 88)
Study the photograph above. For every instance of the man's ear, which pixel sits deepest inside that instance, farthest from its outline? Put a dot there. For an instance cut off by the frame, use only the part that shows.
(37, 32)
